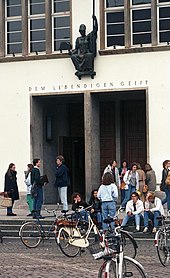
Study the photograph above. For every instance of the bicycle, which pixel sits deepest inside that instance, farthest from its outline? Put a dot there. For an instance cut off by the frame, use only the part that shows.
(33, 232)
(71, 236)
(162, 240)
(129, 243)
(115, 264)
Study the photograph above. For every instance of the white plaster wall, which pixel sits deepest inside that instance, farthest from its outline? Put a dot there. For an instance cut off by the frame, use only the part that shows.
(127, 71)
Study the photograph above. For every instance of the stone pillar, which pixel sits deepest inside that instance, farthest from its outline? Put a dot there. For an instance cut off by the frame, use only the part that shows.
(92, 143)
(24, 27)
(48, 25)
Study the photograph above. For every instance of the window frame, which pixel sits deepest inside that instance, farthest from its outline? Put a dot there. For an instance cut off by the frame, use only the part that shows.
(160, 5)
(59, 14)
(8, 19)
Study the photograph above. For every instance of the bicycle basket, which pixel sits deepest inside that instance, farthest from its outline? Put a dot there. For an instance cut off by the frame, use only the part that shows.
(66, 223)
(113, 243)
(96, 250)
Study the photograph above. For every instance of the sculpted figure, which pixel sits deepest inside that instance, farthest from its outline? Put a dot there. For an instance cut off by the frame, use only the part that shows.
(85, 51)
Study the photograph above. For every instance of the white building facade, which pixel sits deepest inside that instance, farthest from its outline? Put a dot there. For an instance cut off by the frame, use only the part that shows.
(46, 110)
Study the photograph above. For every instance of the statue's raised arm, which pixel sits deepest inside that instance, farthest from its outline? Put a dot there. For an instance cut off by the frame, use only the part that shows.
(85, 51)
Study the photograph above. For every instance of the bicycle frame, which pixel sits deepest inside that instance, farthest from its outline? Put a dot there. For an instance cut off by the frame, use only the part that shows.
(76, 238)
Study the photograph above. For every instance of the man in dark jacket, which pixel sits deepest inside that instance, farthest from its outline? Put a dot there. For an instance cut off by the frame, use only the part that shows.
(37, 193)
(62, 180)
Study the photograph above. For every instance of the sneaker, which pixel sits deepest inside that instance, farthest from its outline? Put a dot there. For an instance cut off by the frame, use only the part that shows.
(154, 230)
(136, 231)
(145, 230)
(122, 209)
(30, 214)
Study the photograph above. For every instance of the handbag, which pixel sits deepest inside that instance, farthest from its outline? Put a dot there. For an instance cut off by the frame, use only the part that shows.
(123, 184)
(5, 201)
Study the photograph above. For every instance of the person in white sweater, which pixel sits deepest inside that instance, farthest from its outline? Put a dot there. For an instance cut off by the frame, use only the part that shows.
(108, 194)
(134, 210)
(153, 209)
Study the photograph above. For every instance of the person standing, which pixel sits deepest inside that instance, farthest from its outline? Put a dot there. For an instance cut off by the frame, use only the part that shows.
(108, 194)
(112, 168)
(11, 187)
(150, 177)
(38, 190)
(131, 179)
(29, 186)
(142, 178)
(122, 171)
(164, 187)
(62, 180)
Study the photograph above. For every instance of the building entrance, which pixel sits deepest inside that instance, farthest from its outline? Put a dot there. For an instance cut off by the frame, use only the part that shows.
(89, 130)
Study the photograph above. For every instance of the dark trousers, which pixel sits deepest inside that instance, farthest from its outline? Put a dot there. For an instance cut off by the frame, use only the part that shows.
(9, 210)
(38, 201)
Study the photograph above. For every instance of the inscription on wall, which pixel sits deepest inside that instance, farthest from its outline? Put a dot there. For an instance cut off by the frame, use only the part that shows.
(88, 86)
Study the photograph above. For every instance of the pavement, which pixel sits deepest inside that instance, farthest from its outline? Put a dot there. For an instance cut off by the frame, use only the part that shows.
(18, 261)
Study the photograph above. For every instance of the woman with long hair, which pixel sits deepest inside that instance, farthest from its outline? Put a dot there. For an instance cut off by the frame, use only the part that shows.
(11, 187)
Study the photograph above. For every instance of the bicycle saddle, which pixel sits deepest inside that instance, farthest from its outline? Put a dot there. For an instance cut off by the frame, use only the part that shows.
(108, 220)
(64, 211)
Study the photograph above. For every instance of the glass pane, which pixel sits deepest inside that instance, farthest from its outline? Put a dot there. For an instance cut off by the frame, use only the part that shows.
(62, 33)
(14, 48)
(14, 37)
(14, 26)
(14, 11)
(37, 1)
(37, 24)
(117, 40)
(141, 14)
(37, 46)
(142, 38)
(37, 35)
(37, 9)
(58, 42)
(114, 3)
(141, 26)
(13, 2)
(164, 12)
(62, 6)
(115, 29)
(164, 1)
(140, 2)
(115, 17)
(164, 24)
(165, 36)
(63, 21)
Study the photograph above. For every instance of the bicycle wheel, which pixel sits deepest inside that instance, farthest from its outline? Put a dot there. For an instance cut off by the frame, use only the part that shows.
(30, 234)
(163, 246)
(130, 268)
(108, 269)
(129, 244)
(63, 242)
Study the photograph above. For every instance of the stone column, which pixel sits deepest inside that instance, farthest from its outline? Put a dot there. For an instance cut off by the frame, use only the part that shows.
(48, 26)
(24, 27)
(92, 143)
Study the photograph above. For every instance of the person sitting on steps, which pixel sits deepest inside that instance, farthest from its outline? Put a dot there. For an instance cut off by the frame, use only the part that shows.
(134, 210)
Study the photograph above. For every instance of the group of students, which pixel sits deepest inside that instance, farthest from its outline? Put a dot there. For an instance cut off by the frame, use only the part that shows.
(138, 197)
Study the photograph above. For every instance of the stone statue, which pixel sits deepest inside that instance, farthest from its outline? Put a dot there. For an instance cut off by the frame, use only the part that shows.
(85, 51)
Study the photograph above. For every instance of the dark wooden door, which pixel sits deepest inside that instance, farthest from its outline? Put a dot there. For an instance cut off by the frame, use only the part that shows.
(133, 133)
(72, 149)
(107, 134)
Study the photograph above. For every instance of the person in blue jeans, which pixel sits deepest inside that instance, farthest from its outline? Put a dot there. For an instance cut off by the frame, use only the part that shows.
(164, 187)
(38, 194)
(153, 209)
(131, 179)
(95, 212)
(108, 194)
(134, 210)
